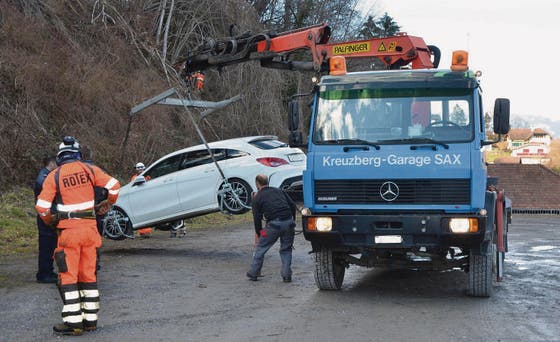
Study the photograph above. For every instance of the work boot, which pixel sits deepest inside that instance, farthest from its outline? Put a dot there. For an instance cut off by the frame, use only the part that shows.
(50, 279)
(287, 279)
(252, 277)
(64, 329)
(90, 326)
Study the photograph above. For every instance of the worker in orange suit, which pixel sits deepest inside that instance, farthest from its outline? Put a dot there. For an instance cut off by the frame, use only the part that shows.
(196, 80)
(138, 169)
(67, 203)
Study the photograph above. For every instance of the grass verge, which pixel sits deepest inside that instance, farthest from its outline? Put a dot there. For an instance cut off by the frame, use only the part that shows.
(18, 226)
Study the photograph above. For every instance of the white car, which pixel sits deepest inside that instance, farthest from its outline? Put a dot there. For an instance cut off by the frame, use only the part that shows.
(187, 183)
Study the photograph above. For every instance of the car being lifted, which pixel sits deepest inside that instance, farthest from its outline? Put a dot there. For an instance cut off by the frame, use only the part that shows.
(187, 183)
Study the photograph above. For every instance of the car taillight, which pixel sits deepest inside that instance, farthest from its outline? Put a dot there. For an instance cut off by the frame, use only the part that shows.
(272, 161)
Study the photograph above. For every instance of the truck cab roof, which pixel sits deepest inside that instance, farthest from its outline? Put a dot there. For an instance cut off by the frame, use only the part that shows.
(431, 78)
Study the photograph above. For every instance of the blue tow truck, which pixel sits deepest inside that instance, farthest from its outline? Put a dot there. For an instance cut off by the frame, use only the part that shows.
(395, 174)
(396, 177)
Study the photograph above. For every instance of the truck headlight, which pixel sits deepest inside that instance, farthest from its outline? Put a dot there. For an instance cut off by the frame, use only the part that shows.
(463, 225)
(320, 224)
(324, 224)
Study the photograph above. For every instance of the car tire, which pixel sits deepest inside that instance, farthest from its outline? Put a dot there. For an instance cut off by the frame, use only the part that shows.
(227, 200)
(117, 225)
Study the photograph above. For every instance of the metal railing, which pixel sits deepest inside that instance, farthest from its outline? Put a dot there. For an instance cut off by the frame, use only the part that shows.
(535, 211)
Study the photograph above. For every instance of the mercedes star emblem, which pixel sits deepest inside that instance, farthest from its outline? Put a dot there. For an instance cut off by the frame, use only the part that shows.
(389, 191)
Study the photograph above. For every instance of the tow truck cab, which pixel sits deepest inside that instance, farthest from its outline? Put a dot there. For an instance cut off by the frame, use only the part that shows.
(395, 174)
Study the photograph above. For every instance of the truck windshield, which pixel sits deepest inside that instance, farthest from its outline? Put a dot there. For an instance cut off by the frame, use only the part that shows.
(394, 115)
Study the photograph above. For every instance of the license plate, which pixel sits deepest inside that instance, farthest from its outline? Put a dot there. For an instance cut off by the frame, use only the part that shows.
(296, 157)
(388, 239)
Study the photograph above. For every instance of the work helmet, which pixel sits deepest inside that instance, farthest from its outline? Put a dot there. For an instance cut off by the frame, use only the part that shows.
(69, 149)
(139, 166)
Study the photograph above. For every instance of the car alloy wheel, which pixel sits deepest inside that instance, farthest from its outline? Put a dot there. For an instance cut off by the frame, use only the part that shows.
(116, 225)
(235, 197)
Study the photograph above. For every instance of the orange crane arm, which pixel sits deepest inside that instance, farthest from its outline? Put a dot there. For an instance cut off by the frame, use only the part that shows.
(273, 50)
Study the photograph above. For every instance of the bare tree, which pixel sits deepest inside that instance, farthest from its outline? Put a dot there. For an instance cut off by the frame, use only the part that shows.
(88, 61)
(166, 32)
(162, 6)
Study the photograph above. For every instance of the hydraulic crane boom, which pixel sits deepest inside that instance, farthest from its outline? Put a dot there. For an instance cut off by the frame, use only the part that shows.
(274, 50)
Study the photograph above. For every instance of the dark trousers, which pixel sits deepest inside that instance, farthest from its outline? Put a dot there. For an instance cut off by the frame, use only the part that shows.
(99, 223)
(274, 230)
(47, 244)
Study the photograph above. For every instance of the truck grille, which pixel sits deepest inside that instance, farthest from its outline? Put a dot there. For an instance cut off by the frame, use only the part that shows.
(418, 191)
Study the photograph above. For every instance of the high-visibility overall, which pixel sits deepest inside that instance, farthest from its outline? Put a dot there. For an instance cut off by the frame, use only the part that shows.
(68, 190)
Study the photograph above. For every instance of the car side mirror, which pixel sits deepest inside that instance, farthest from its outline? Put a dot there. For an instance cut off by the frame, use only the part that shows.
(293, 115)
(501, 116)
(138, 180)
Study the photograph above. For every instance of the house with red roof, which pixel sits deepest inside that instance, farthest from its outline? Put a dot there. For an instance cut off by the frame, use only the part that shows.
(531, 146)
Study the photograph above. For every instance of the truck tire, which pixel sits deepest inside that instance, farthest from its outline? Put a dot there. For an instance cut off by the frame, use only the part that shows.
(329, 270)
(482, 272)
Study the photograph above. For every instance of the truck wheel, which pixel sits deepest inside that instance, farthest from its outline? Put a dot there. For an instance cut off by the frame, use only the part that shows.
(329, 270)
(482, 272)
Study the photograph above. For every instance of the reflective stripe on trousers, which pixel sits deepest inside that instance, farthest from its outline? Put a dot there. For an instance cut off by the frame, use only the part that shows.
(89, 297)
(81, 303)
(71, 309)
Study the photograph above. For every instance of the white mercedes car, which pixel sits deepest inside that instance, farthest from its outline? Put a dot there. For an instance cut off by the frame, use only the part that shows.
(187, 183)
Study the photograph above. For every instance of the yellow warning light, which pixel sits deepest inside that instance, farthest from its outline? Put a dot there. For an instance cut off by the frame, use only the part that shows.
(460, 61)
(337, 65)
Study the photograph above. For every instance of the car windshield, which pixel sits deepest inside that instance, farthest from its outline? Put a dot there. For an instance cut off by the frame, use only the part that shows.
(393, 115)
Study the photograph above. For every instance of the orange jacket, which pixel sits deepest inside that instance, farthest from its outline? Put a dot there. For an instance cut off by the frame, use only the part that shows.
(75, 189)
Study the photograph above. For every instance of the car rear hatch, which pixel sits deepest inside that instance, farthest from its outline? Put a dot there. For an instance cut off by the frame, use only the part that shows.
(294, 156)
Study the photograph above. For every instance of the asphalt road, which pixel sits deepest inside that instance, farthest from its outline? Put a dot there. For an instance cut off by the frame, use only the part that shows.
(195, 289)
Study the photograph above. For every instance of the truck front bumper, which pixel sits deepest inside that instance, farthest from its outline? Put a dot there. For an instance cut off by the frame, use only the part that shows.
(391, 231)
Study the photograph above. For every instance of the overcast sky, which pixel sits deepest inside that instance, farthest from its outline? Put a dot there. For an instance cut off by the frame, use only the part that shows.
(515, 43)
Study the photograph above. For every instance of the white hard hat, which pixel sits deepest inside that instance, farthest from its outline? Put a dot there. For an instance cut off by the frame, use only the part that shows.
(139, 166)
(69, 144)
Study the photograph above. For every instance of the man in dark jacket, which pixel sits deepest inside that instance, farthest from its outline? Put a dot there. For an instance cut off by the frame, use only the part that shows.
(279, 211)
(47, 235)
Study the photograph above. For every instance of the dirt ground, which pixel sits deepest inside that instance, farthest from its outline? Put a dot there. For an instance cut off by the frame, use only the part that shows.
(195, 289)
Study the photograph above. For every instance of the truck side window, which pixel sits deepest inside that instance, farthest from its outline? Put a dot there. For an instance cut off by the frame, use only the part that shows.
(459, 112)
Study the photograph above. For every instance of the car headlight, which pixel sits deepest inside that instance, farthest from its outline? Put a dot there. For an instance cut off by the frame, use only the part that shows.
(463, 225)
(320, 224)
